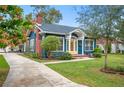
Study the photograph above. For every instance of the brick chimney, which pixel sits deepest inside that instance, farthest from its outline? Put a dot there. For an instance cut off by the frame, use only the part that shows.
(38, 39)
(39, 19)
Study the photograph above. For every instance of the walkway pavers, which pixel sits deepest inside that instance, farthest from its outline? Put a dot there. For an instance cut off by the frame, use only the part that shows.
(28, 73)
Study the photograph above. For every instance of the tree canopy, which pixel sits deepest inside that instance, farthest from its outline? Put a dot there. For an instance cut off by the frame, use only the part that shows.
(50, 43)
(102, 22)
(49, 14)
(13, 25)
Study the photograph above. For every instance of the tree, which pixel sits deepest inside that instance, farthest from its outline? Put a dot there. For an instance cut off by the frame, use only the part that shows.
(49, 14)
(50, 43)
(102, 22)
(120, 28)
(13, 26)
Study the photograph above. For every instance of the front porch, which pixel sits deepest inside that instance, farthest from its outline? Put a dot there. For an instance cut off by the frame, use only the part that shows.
(75, 42)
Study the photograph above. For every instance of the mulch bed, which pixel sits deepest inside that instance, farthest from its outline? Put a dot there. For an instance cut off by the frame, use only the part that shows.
(111, 71)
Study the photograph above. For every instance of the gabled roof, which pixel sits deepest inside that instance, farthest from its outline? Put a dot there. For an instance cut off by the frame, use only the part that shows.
(57, 28)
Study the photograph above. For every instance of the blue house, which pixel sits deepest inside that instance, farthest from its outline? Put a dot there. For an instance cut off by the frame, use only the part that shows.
(73, 39)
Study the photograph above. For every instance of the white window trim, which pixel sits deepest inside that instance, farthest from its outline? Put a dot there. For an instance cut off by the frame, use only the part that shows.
(62, 44)
(89, 48)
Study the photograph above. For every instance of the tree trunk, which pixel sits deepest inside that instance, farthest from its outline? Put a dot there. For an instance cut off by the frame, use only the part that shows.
(49, 55)
(106, 53)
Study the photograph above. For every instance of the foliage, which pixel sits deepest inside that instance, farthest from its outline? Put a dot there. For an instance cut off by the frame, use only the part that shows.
(50, 43)
(13, 25)
(65, 56)
(32, 55)
(49, 14)
(97, 53)
(97, 50)
(101, 21)
(61, 55)
(120, 28)
(120, 68)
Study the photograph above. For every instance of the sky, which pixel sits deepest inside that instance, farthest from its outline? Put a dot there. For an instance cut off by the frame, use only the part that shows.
(68, 12)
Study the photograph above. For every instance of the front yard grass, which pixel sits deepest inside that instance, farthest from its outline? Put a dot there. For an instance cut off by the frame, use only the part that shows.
(4, 68)
(88, 72)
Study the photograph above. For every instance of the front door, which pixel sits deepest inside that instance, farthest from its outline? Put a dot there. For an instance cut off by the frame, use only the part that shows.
(79, 46)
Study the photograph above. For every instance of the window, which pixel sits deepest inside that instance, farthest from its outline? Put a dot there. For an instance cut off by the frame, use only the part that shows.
(88, 44)
(67, 44)
(61, 44)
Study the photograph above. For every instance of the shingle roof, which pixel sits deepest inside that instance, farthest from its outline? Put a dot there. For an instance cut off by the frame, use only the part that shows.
(57, 28)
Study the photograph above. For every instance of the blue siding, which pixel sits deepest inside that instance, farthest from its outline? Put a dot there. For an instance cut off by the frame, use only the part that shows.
(94, 43)
(64, 44)
(33, 36)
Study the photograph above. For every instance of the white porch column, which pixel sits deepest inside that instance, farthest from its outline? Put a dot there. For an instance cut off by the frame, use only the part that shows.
(74, 46)
(63, 43)
(69, 43)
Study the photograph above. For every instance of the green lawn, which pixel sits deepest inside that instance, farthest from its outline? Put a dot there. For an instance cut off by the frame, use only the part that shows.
(88, 72)
(4, 68)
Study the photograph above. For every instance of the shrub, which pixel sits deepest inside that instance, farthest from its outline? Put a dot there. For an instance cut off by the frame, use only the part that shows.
(97, 53)
(32, 55)
(66, 56)
(61, 55)
(97, 50)
(50, 43)
(120, 68)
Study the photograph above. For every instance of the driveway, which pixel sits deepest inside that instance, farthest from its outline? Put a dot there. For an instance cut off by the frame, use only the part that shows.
(28, 73)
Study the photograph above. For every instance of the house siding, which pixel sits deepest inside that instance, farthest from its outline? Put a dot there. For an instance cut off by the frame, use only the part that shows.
(65, 44)
(32, 36)
(94, 43)
(44, 53)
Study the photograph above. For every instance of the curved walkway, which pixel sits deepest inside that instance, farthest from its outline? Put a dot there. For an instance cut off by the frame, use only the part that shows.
(28, 73)
(65, 61)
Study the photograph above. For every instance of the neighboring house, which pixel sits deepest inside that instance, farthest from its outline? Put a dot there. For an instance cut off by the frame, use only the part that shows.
(73, 40)
(117, 46)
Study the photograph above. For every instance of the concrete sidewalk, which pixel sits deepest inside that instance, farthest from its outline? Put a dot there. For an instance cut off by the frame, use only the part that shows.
(28, 73)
